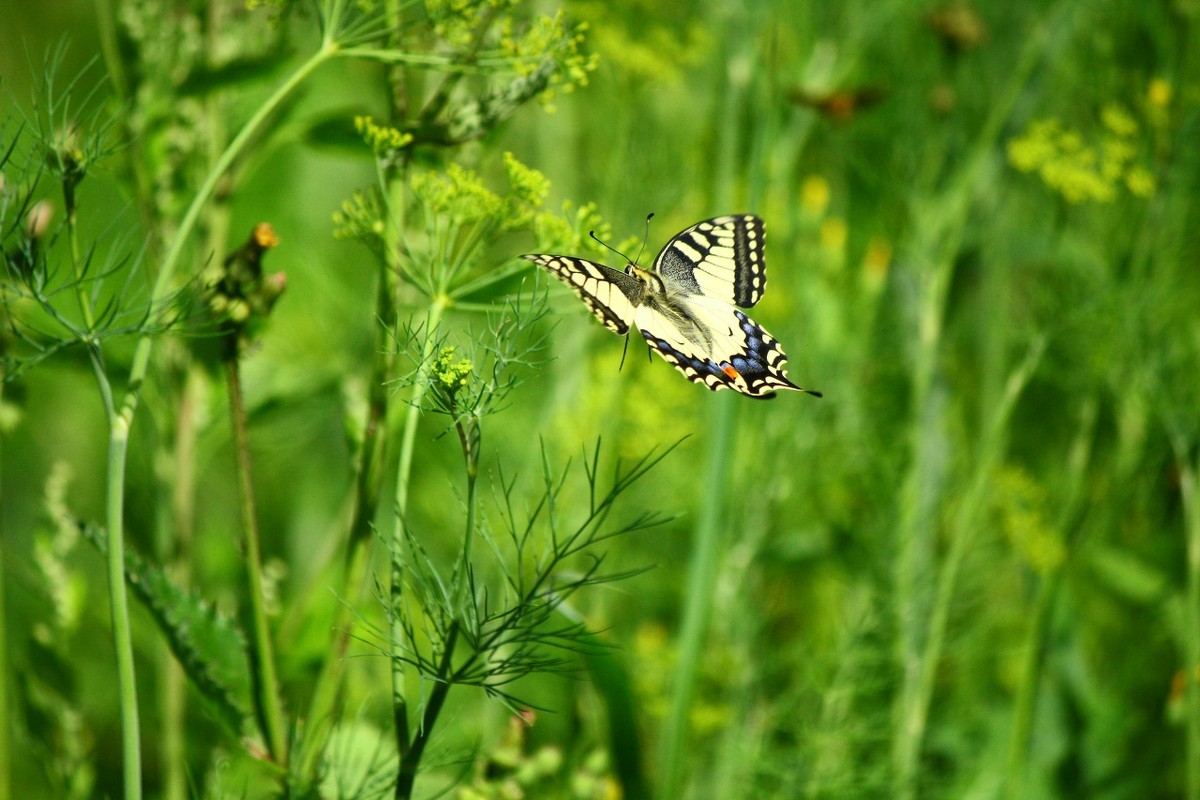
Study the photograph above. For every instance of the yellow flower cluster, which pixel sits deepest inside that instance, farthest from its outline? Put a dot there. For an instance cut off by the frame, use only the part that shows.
(1080, 170)
(451, 375)
(380, 138)
(361, 217)
(528, 190)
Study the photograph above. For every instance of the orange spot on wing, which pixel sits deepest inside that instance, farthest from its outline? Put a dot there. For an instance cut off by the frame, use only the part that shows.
(731, 372)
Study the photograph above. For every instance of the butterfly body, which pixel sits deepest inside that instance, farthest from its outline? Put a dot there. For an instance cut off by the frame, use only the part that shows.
(685, 306)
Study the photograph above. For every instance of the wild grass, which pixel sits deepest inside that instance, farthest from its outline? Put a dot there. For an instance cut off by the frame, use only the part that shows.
(971, 570)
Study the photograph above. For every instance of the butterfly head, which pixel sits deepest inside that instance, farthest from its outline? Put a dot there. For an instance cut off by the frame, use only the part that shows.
(648, 277)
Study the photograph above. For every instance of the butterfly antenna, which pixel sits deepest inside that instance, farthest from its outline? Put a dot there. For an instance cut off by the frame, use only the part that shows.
(645, 236)
(609, 247)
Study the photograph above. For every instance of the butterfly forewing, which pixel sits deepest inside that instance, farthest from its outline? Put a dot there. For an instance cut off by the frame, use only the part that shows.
(720, 257)
(609, 293)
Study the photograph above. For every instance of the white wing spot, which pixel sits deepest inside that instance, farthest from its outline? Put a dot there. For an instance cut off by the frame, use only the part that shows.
(688, 251)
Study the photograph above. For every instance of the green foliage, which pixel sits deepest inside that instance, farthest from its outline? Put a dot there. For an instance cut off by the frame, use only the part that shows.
(970, 571)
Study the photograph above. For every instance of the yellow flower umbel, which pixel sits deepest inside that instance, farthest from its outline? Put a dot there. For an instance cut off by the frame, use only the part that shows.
(451, 375)
(1082, 170)
(382, 139)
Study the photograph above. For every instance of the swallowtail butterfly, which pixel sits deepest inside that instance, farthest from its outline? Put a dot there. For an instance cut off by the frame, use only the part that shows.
(685, 306)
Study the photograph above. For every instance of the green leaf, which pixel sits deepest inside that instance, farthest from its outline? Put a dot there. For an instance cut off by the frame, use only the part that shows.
(210, 648)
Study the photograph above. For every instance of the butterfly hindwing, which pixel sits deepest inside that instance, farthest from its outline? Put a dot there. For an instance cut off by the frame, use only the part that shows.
(720, 257)
(611, 294)
(737, 353)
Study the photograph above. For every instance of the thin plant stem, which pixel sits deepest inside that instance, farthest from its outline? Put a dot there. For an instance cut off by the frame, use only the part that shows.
(410, 761)
(177, 546)
(468, 437)
(266, 683)
(369, 470)
(411, 757)
(72, 214)
(394, 188)
(399, 527)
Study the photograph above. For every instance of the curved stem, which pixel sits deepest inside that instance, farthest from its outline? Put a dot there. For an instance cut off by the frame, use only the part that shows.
(118, 447)
(121, 421)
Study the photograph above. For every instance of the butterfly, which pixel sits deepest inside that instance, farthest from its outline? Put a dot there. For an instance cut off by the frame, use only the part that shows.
(686, 306)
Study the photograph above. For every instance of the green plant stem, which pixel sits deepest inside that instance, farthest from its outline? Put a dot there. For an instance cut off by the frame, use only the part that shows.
(176, 539)
(120, 423)
(266, 695)
(410, 759)
(697, 610)
(469, 440)
(72, 213)
(118, 450)
(400, 523)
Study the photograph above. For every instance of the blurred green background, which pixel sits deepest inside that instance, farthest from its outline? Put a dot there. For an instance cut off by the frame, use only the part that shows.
(971, 570)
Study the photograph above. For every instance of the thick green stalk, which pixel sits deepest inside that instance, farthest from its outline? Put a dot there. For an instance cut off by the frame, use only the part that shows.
(267, 703)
